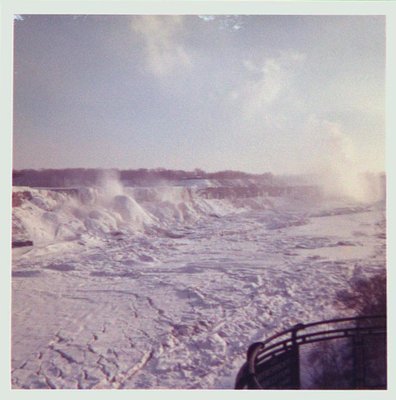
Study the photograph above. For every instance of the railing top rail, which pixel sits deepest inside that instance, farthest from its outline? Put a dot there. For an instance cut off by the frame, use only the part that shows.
(263, 351)
(329, 321)
(301, 326)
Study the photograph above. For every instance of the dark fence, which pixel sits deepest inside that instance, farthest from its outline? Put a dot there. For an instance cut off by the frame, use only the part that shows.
(345, 353)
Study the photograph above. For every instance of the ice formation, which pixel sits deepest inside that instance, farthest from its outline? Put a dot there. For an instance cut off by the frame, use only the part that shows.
(165, 287)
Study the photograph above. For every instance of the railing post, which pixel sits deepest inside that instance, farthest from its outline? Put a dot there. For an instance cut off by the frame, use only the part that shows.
(295, 358)
(252, 352)
(358, 360)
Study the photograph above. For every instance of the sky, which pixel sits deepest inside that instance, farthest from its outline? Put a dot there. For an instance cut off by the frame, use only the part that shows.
(280, 94)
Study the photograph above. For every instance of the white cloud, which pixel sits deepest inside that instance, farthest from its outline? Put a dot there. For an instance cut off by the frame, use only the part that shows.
(225, 22)
(164, 50)
(269, 82)
(207, 18)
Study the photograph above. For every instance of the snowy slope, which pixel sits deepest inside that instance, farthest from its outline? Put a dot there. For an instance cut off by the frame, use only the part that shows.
(162, 288)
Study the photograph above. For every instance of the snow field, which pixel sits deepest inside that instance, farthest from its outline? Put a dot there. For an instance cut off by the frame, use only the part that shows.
(158, 288)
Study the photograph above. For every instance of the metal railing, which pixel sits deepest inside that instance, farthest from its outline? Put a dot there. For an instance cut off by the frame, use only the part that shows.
(344, 353)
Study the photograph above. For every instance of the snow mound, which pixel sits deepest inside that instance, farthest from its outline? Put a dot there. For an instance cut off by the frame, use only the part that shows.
(67, 214)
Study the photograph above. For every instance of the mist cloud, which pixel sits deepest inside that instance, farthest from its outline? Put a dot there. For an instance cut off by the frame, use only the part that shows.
(337, 165)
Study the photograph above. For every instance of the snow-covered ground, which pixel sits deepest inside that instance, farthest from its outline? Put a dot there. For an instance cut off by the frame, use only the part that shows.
(161, 288)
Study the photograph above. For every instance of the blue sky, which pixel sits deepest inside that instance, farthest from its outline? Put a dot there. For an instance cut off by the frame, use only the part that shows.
(252, 93)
